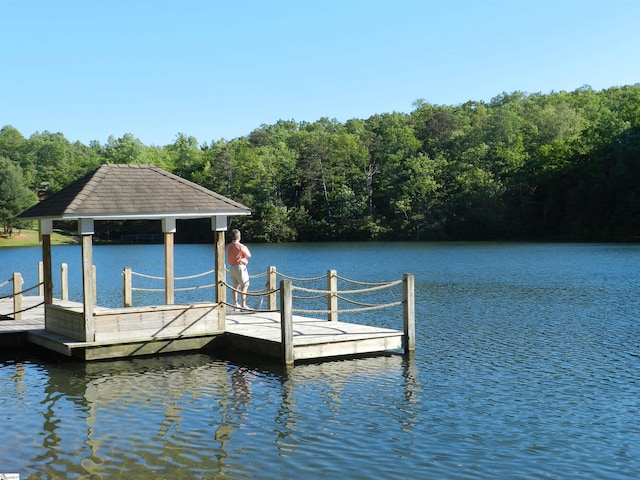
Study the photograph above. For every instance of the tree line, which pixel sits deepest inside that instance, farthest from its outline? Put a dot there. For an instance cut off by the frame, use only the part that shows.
(562, 165)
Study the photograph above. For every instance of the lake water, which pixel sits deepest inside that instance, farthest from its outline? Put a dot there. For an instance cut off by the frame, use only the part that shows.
(527, 365)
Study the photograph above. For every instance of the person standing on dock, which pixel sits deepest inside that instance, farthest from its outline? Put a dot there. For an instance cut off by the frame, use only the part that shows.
(238, 256)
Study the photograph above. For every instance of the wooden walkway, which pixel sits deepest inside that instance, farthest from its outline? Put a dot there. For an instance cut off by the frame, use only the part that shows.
(256, 332)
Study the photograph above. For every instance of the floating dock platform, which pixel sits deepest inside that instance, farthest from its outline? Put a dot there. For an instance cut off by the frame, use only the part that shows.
(251, 331)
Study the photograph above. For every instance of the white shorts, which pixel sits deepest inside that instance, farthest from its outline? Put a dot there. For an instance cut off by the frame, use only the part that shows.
(239, 275)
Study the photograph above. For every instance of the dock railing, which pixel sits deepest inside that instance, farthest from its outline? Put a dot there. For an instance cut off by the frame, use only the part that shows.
(18, 291)
(332, 294)
(128, 275)
(287, 296)
(17, 294)
(329, 296)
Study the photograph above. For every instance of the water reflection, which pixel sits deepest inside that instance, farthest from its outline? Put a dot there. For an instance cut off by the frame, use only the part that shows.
(190, 413)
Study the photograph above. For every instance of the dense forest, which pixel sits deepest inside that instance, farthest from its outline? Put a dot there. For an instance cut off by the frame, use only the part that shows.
(557, 166)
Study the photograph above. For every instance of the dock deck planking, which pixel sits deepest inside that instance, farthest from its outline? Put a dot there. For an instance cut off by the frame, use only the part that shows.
(258, 332)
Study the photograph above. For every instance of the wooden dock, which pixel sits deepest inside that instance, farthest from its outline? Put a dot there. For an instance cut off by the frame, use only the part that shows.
(15, 332)
(261, 332)
(256, 332)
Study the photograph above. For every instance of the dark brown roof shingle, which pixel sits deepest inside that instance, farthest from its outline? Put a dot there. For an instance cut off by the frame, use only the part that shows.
(134, 191)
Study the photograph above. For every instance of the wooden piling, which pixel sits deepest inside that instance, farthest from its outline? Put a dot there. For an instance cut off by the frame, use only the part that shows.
(127, 287)
(64, 281)
(272, 278)
(409, 313)
(17, 296)
(332, 295)
(169, 264)
(286, 314)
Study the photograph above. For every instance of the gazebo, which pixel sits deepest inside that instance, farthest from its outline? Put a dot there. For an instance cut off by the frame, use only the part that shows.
(132, 192)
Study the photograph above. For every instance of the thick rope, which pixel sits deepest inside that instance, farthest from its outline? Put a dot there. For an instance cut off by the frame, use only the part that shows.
(189, 277)
(185, 289)
(255, 293)
(146, 276)
(6, 283)
(348, 310)
(354, 282)
(27, 290)
(314, 279)
(25, 309)
(360, 304)
(364, 290)
(361, 307)
(195, 276)
(315, 297)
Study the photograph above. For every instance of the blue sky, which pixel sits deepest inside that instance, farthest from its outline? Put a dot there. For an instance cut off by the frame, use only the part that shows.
(219, 69)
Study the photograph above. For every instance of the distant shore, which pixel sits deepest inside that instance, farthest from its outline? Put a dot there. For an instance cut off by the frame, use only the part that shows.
(30, 238)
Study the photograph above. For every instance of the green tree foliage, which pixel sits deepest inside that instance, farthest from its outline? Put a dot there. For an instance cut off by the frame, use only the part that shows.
(558, 165)
(15, 196)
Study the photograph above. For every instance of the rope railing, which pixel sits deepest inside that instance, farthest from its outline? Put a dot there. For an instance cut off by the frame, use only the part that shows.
(347, 310)
(379, 286)
(257, 293)
(356, 282)
(299, 293)
(189, 277)
(37, 285)
(28, 308)
(21, 292)
(334, 294)
(18, 294)
(128, 275)
(297, 279)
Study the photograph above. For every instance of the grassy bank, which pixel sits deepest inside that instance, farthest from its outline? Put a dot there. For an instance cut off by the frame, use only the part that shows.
(30, 238)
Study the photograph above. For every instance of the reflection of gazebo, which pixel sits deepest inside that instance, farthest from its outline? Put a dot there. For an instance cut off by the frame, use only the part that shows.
(131, 192)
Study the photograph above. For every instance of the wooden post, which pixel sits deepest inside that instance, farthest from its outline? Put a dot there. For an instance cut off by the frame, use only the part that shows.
(126, 290)
(40, 276)
(409, 313)
(219, 227)
(88, 287)
(169, 267)
(46, 264)
(45, 274)
(94, 276)
(64, 281)
(272, 277)
(332, 295)
(17, 296)
(286, 321)
(169, 229)
(221, 273)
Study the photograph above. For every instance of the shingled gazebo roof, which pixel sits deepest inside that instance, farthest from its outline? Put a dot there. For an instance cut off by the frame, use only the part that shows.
(123, 192)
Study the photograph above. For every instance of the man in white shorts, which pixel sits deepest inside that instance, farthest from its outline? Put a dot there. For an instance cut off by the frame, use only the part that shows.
(238, 256)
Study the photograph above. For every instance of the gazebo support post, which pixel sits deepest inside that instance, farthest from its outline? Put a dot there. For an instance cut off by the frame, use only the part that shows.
(169, 229)
(219, 225)
(46, 229)
(88, 279)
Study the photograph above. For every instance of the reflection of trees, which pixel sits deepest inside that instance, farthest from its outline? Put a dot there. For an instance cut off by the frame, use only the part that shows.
(333, 380)
(191, 415)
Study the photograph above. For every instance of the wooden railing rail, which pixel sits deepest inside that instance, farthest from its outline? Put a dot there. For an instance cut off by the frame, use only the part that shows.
(286, 296)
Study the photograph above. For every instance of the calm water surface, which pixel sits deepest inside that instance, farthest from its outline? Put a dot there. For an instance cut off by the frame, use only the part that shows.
(527, 366)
